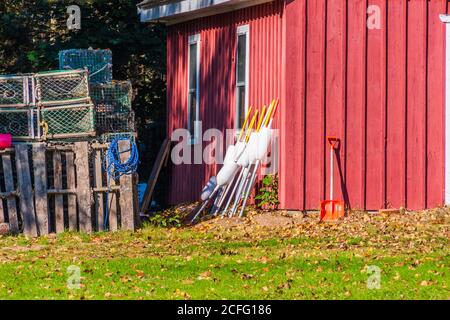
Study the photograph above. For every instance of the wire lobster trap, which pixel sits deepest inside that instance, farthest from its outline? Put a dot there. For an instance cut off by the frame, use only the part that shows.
(16, 91)
(108, 137)
(98, 62)
(67, 121)
(112, 103)
(61, 87)
(107, 121)
(117, 93)
(22, 124)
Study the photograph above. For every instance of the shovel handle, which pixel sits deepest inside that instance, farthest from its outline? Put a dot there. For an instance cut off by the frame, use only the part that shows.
(333, 142)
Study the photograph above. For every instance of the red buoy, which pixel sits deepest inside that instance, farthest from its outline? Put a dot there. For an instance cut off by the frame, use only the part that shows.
(5, 140)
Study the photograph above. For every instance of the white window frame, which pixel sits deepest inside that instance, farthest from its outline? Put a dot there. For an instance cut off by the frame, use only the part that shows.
(243, 30)
(446, 19)
(194, 39)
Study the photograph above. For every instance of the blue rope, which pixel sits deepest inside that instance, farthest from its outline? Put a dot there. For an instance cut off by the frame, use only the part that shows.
(115, 168)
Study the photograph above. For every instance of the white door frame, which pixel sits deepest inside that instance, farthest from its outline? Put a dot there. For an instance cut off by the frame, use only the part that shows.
(446, 19)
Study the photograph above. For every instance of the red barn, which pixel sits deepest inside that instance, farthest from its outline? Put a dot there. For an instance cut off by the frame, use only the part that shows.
(371, 72)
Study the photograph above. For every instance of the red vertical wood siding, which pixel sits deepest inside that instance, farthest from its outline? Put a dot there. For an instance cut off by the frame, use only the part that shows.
(416, 105)
(435, 118)
(356, 102)
(315, 104)
(375, 107)
(396, 103)
(291, 170)
(381, 91)
(335, 87)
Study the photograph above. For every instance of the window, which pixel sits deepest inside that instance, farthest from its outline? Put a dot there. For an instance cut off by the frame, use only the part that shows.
(193, 87)
(242, 73)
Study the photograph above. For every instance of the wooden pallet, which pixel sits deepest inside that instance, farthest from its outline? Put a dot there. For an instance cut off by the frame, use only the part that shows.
(54, 188)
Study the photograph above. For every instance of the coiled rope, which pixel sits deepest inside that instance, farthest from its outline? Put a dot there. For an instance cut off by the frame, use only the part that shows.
(115, 168)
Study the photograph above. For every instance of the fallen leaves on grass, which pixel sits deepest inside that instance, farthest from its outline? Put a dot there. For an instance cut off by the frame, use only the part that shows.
(205, 276)
(182, 294)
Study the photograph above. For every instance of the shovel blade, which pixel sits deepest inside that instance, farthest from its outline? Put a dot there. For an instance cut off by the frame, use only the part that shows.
(332, 210)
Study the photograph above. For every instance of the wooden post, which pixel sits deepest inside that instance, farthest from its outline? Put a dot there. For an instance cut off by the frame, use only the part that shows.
(40, 188)
(2, 212)
(71, 198)
(111, 205)
(127, 191)
(59, 204)
(26, 191)
(11, 200)
(112, 208)
(83, 186)
(99, 196)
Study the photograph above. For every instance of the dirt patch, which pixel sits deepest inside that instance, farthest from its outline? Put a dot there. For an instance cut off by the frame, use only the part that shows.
(225, 223)
(273, 220)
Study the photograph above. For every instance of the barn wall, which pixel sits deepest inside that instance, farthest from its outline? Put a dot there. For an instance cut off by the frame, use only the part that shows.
(217, 81)
(380, 91)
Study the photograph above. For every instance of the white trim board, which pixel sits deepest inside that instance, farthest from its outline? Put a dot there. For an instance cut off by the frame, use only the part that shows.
(243, 30)
(446, 19)
(194, 39)
(185, 10)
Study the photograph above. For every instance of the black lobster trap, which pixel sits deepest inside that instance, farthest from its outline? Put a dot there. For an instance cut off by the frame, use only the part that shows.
(113, 112)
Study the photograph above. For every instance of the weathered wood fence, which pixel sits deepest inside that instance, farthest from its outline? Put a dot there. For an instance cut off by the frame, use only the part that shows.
(48, 188)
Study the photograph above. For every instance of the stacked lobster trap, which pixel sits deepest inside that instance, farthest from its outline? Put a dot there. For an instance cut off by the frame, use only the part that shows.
(64, 104)
(55, 176)
(46, 105)
(98, 63)
(76, 102)
(18, 114)
(111, 99)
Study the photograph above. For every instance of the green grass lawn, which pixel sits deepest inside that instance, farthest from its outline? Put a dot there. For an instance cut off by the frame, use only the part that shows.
(291, 258)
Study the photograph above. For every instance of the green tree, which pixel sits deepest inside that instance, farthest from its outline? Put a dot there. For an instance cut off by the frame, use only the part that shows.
(32, 32)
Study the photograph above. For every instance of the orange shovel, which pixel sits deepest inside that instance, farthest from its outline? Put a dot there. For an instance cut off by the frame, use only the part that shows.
(331, 210)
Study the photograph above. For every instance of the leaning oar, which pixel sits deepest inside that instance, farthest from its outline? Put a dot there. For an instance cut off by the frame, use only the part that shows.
(240, 161)
(230, 154)
(224, 194)
(226, 173)
(236, 184)
(243, 162)
(252, 144)
(261, 151)
(218, 204)
(203, 206)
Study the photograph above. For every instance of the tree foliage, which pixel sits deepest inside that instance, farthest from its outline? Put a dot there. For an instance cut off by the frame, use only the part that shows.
(32, 32)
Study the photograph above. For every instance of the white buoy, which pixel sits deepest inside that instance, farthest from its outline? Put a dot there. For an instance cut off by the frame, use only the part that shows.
(252, 146)
(243, 160)
(208, 188)
(240, 147)
(226, 173)
(230, 154)
(264, 138)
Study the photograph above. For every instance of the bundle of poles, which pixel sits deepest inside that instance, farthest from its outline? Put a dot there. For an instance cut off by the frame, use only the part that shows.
(229, 191)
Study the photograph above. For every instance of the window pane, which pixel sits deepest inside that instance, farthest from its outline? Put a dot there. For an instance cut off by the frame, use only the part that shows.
(241, 52)
(241, 105)
(192, 112)
(192, 66)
